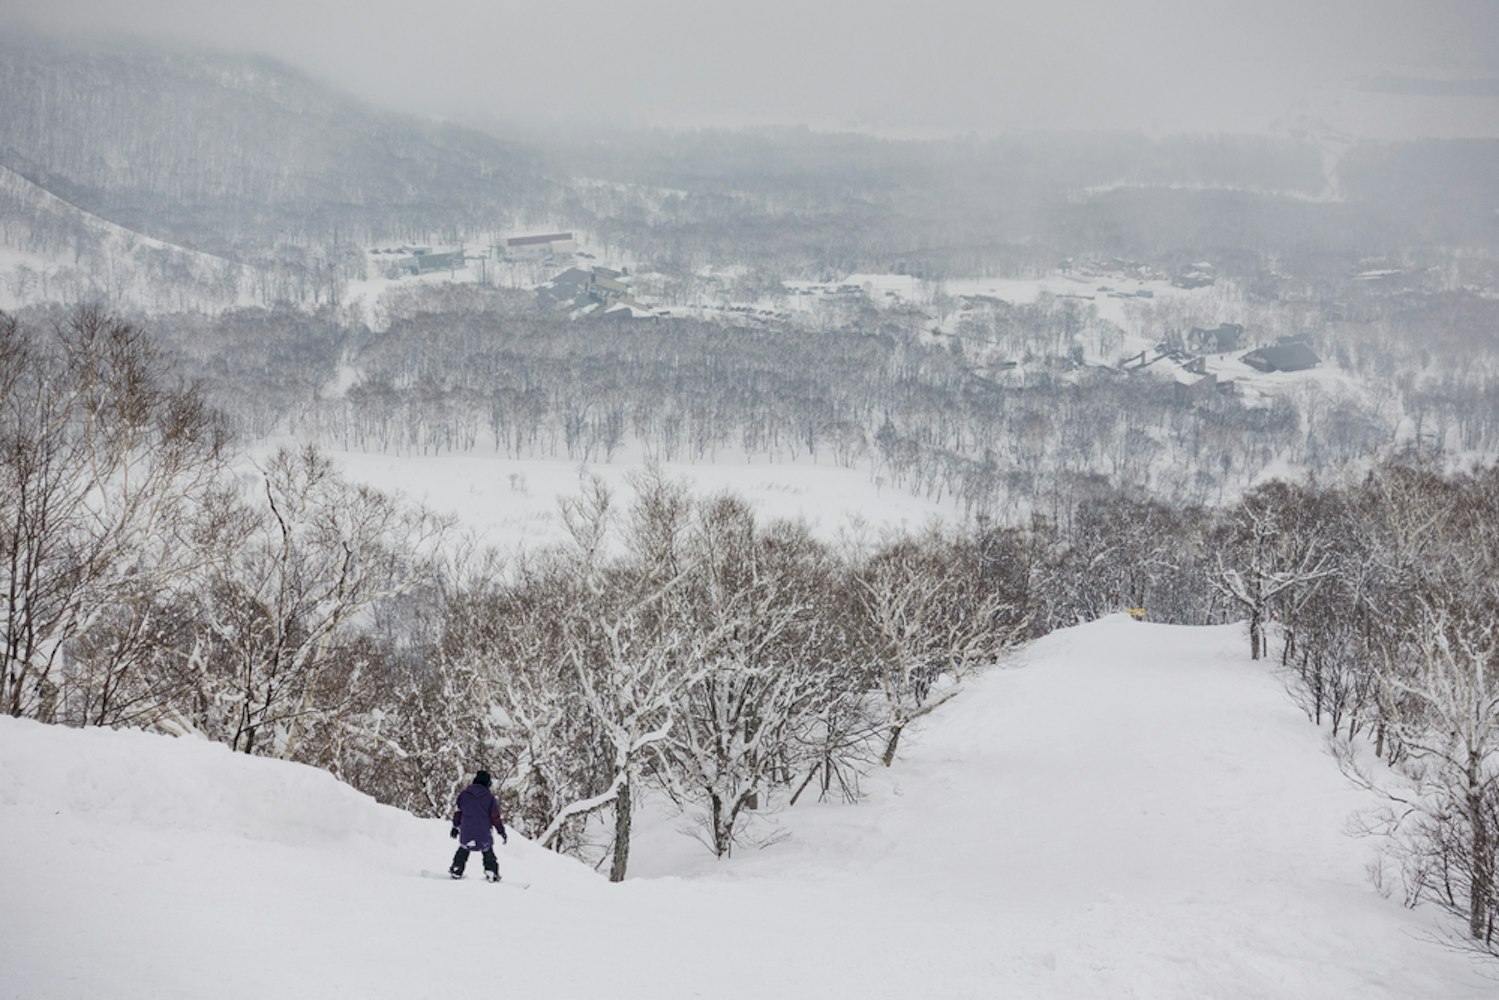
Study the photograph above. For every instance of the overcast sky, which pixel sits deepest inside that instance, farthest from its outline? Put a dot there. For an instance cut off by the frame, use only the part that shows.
(912, 67)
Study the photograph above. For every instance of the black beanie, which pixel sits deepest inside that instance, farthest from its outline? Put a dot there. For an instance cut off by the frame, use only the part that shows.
(482, 778)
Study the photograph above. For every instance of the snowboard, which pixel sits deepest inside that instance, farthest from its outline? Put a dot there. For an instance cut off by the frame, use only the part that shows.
(444, 876)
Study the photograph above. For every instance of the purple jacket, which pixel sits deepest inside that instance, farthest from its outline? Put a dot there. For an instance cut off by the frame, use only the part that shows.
(477, 811)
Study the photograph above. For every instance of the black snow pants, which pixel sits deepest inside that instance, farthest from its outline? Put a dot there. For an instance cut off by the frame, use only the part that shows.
(460, 861)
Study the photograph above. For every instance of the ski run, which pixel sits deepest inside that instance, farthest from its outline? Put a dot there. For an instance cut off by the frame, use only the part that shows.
(1124, 810)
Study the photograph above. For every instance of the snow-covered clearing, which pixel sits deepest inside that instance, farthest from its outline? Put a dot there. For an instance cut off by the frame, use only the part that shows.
(1126, 810)
(513, 503)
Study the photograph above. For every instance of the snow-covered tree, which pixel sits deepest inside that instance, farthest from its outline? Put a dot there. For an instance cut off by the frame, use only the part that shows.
(623, 646)
(1434, 644)
(1274, 550)
(768, 670)
(929, 627)
(313, 553)
(1455, 729)
(104, 463)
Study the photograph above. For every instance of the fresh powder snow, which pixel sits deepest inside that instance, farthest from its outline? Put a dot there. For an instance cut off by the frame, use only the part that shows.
(1123, 810)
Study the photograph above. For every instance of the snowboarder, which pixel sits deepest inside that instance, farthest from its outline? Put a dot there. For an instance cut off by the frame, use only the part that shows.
(477, 811)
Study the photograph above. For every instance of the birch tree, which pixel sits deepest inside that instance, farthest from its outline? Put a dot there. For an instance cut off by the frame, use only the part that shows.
(1269, 559)
(1442, 824)
(624, 647)
(928, 629)
(103, 462)
(314, 552)
(766, 674)
(509, 695)
(1456, 729)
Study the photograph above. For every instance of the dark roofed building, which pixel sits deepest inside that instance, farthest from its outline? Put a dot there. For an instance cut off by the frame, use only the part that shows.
(583, 291)
(573, 278)
(422, 260)
(545, 238)
(1190, 388)
(1223, 338)
(1287, 357)
(542, 245)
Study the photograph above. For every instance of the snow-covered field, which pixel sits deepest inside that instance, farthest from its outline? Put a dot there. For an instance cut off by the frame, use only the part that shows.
(512, 503)
(1126, 810)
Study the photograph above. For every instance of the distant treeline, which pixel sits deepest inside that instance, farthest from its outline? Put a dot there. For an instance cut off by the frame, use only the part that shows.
(468, 368)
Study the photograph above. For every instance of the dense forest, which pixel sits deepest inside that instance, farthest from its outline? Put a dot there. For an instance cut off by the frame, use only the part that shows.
(471, 369)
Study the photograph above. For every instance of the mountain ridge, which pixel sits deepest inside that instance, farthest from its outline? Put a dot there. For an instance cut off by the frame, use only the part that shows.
(225, 152)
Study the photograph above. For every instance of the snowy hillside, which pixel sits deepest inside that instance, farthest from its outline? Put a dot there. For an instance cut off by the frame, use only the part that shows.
(53, 250)
(1129, 810)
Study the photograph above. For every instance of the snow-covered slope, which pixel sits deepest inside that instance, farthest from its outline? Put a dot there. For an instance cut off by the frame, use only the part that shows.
(1128, 810)
(55, 251)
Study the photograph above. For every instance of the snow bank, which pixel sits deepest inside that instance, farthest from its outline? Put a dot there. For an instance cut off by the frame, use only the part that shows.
(107, 779)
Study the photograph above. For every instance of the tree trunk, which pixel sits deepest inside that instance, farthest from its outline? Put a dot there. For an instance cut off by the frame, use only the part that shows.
(807, 781)
(621, 833)
(1482, 882)
(720, 835)
(893, 742)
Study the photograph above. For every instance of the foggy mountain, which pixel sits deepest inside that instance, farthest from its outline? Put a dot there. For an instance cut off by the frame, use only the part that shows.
(235, 155)
(227, 153)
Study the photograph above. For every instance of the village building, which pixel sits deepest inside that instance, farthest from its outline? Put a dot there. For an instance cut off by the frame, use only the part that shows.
(628, 308)
(1221, 339)
(1197, 275)
(542, 245)
(565, 289)
(1193, 384)
(421, 260)
(1286, 356)
(597, 291)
